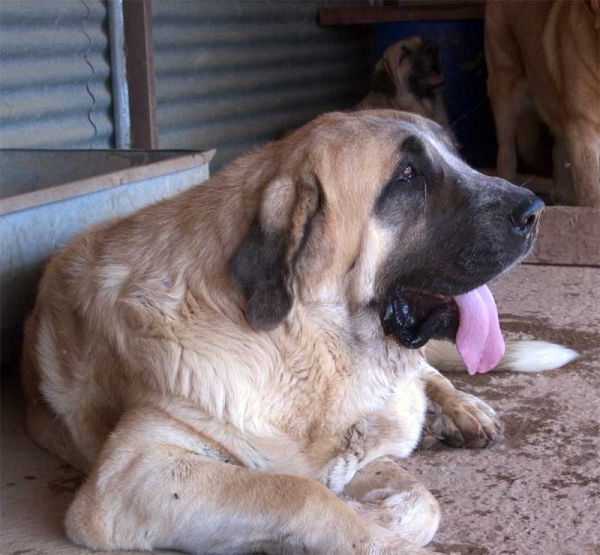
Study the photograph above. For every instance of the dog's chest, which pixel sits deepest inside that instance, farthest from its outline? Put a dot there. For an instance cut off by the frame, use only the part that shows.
(299, 398)
(327, 431)
(328, 387)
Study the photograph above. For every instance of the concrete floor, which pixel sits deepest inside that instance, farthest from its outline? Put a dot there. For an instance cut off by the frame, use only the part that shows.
(535, 493)
(538, 491)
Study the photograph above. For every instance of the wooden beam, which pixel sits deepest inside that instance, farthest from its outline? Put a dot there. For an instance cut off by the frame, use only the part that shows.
(139, 52)
(405, 11)
(569, 236)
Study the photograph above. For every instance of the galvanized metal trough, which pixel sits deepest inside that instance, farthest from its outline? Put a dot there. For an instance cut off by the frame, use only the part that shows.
(46, 196)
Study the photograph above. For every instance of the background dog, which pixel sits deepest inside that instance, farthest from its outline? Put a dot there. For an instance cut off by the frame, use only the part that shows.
(547, 53)
(408, 77)
(233, 366)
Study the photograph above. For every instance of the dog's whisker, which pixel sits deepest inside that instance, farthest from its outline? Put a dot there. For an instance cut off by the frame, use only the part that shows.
(527, 181)
(467, 113)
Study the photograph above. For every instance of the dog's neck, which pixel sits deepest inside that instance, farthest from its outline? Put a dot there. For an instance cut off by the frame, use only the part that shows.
(369, 360)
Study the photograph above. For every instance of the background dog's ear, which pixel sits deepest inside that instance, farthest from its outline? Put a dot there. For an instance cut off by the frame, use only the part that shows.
(264, 264)
(383, 80)
(594, 6)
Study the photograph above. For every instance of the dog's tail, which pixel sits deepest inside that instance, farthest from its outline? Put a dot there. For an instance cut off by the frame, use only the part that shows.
(520, 356)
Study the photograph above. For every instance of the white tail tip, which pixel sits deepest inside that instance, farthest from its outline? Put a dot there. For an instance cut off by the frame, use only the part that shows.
(520, 356)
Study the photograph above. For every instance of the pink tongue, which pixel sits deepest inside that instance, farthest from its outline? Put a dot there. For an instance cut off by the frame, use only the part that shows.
(479, 340)
(433, 79)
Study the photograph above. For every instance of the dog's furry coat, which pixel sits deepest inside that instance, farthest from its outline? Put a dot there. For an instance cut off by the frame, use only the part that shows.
(216, 364)
(395, 83)
(546, 55)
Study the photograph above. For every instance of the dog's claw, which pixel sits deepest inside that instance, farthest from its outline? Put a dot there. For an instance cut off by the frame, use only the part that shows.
(465, 421)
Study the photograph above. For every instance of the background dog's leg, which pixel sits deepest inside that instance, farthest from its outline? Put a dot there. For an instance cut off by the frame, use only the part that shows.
(159, 484)
(562, 191)
(462, 420)
(506, 88)
(386, 493)
(508, 104)
(582, 143)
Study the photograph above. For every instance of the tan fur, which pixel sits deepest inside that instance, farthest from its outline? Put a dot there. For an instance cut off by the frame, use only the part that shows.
(547, 54)
(432, 108)
(203, 433)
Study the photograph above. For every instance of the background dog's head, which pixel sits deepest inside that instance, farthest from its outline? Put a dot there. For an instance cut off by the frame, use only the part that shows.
(358, 206)
(410, 66)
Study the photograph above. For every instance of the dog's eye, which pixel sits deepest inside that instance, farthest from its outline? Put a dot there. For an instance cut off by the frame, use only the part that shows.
(407, 174)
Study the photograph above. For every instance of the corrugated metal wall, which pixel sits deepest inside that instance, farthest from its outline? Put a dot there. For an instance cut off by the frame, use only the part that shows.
(54, 74)
(231, 74)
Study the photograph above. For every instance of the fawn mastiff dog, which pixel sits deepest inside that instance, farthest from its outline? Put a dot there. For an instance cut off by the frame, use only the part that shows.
(546, 54)
(234, 366)
(408, 77)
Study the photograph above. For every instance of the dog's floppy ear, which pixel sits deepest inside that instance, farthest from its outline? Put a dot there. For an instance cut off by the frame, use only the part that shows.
(383, 79)
(264, 264)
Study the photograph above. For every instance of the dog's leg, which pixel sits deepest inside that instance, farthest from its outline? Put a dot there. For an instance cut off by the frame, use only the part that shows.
(48, 431)
(159, 484)
(562, 192)
(507, 88)
(509, 103)
(387, 494)
(455, 417)
(582, 143)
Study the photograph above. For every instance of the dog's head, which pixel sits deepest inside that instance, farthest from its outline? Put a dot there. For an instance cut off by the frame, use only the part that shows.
(368, 208)
(411, 65)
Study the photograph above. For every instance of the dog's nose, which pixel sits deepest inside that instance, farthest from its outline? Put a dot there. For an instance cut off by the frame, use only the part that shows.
(526, 215)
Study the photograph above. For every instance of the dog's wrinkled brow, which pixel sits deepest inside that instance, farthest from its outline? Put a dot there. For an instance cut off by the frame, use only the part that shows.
(413, 145)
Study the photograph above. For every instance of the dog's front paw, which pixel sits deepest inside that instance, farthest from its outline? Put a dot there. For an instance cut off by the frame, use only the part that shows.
(463, 421)
(391, 545)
